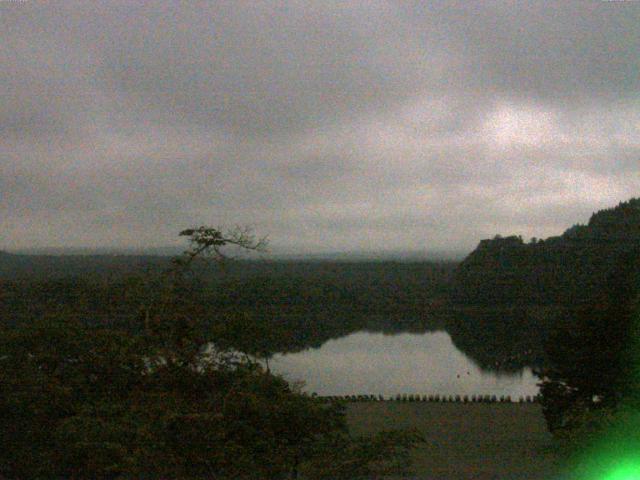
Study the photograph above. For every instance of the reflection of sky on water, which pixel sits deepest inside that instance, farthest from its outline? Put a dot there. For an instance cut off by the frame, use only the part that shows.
(375, 363)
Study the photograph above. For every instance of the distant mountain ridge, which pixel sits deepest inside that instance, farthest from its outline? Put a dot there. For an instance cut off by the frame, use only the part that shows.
(565, 269)
(274, 253)
(55, 263)
(15, 266)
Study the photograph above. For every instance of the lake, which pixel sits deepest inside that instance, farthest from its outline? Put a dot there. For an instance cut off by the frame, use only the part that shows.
(377, 363)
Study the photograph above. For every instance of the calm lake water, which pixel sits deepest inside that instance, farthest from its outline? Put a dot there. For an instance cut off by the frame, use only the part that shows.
(375, 363)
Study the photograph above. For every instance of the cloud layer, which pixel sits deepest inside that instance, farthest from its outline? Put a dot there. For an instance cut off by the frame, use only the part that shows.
(327, 125)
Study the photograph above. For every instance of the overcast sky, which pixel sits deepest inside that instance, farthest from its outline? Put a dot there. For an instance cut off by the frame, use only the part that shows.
(329, 126)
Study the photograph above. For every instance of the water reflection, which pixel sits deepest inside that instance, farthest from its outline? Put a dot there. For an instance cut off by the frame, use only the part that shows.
(375, 363)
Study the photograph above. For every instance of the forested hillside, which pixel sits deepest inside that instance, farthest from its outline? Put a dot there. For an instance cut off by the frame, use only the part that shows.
(499, 304)
(562, 270)
(509, 296)
(296, 304)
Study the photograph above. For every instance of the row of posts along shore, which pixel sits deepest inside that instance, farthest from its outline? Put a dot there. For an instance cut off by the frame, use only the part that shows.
(430, 398)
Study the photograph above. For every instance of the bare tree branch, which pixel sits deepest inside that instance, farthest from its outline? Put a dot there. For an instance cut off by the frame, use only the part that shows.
(209, 241)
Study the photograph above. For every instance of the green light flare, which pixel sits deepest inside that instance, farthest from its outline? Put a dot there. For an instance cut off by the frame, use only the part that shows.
(614, 452)
(615, 455)
(626, 471)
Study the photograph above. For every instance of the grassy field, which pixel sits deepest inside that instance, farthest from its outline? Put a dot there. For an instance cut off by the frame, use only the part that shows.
(467, 441)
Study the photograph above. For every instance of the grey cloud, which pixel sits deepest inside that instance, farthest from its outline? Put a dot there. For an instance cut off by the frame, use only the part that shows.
(554, 51)
(266, 69)
(364, 124)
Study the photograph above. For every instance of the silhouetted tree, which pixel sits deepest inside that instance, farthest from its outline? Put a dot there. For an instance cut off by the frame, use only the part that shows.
(89, 401)
(593, 355)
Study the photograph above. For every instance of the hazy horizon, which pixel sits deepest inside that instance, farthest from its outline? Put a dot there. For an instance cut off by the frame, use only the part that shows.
(274, 251)
(271, 253)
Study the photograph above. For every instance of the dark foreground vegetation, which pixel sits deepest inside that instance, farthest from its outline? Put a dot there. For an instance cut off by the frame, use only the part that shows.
(580, 294)
(153, 399)
(107, 371)
(590, 385)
